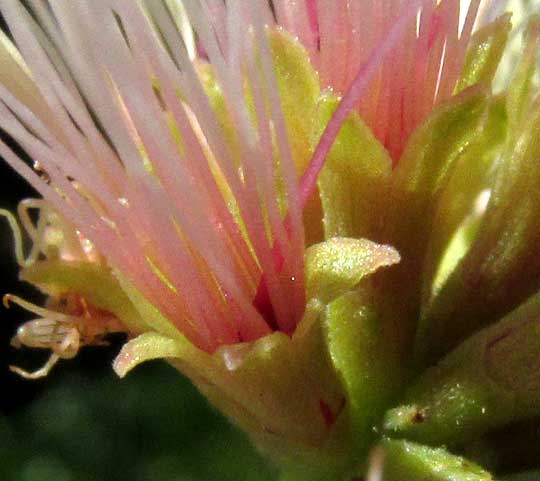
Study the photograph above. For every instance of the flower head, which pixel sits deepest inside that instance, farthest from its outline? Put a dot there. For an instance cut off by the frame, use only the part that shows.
(211, 172)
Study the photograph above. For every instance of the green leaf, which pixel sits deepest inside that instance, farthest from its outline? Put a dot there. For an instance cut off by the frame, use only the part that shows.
(95, 282)
(407, 461)
(337, 265)
(485, 52)
(354, 180)
(489, 381)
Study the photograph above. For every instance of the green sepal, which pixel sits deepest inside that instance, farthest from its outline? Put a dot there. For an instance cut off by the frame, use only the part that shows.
(425, 167)
(370, 372)
(484, 53)
(408, 461)
(354, 180)
(462, 202)
(298, 86)
(147, 347)
(94, 282)
(16, 77)
(216, 98)
(337, 265)
(417, 183)
(490, 380)
(252, 383)
(353, 335)
(150, 316)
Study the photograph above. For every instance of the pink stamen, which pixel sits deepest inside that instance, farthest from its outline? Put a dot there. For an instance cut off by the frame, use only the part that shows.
(311, 6)
(350, 100)
(406, 86)
(262, 301)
